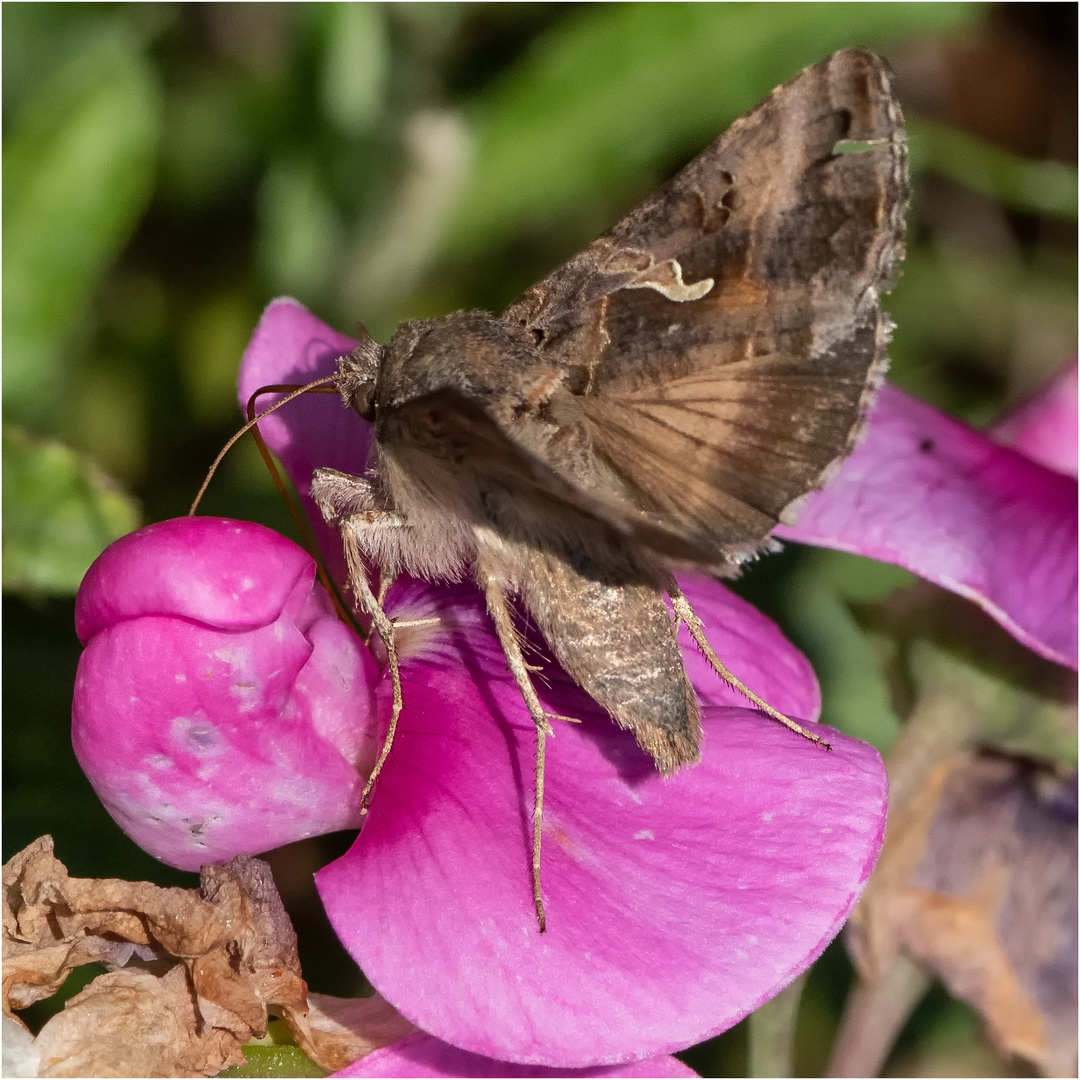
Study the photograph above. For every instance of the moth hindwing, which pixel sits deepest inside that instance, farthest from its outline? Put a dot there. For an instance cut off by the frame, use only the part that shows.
(663, 398)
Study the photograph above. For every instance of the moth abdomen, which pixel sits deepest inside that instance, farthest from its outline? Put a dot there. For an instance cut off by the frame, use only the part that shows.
(609, 628)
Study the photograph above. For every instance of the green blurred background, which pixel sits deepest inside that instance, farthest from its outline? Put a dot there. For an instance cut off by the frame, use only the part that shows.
(169, 168)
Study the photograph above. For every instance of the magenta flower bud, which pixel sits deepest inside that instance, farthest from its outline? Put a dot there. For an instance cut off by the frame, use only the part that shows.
(220, 704)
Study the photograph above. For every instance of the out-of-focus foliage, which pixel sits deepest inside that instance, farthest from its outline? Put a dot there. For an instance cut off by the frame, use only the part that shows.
(60, 510)
(78, 161)
(170, 168)
(620, 90)
(1047, 187)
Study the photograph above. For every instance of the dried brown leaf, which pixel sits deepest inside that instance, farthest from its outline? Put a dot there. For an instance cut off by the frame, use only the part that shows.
(346, 1029)
(132, 1023)
(211, 962)
(978, 882)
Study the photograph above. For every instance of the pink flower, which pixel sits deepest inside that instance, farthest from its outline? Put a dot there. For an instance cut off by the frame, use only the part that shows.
(675, 907)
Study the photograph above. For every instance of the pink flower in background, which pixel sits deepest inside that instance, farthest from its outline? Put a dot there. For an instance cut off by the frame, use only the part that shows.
(675, 907)
(930, 494)
(1044, 427)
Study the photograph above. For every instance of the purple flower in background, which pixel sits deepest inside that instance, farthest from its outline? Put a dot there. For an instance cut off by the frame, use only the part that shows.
(675, 907)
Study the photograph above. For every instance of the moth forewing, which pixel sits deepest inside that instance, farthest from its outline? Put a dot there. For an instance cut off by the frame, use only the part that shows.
(662, 398)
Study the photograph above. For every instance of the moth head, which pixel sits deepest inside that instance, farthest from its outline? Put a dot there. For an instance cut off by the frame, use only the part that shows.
(357, 373)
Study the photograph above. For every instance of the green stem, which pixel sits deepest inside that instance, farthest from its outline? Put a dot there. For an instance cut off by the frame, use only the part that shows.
(772, 1032)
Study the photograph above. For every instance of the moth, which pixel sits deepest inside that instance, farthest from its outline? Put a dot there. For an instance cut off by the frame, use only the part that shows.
(662, 399)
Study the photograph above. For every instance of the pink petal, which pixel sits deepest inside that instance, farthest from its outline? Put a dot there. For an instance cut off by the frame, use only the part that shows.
(220, 706)
(422, 1055)
(927, 493)
(675, 907)
(290, 345)
(223, 573)
(1044, 428)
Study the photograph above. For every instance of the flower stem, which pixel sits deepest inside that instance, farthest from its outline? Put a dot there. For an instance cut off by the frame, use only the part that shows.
(873, 1016)
(772, 1032)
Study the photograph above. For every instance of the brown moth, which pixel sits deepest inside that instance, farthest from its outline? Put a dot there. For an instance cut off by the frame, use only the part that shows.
(663, 398)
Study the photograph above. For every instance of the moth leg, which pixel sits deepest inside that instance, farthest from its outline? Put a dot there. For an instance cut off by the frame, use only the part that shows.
(352, 529)
(340, 495)
(685, 613)
(353, 504)
(385, 581)
(511, 647)
(343, 497)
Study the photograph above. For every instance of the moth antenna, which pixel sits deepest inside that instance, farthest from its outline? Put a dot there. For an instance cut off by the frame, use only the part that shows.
(307, 539)
(292, 390)
(296, 391)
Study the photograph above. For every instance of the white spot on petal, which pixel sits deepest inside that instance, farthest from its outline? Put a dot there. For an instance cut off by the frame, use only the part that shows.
(644, 834)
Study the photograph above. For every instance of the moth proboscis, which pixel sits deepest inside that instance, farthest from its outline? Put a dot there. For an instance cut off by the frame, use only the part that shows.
(662, 399)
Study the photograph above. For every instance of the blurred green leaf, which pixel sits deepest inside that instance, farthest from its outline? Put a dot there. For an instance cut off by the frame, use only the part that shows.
(357, 60)
(208, 142)
(213, 340)
(1007, 717)
(60, 512)
(301, 231)
(1040, 187)
(984, 304)
(854, 689)
(622, 89)
(275, 1061)
(967, 683)
(77, 176)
